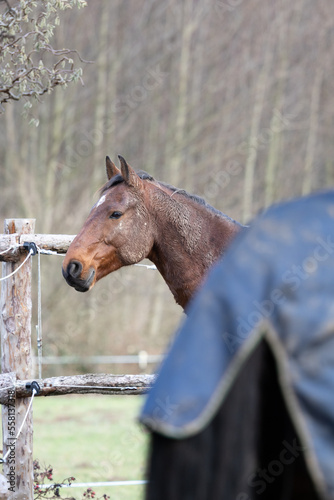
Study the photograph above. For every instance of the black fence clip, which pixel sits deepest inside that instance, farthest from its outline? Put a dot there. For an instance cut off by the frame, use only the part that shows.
(30, 386)
(30, 246)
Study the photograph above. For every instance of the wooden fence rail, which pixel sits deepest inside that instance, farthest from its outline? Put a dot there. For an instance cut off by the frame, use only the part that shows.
(90, 383)
(10, 251)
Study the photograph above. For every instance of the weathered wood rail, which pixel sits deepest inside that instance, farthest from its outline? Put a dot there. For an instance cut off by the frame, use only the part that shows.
(10, 251)
(75, 384)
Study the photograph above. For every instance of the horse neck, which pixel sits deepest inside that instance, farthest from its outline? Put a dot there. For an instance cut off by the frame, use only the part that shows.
(188, 239)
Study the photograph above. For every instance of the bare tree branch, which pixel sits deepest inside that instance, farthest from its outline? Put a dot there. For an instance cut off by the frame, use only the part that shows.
(29, 65)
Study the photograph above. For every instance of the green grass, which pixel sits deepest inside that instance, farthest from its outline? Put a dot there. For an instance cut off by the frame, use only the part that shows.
(93, 438)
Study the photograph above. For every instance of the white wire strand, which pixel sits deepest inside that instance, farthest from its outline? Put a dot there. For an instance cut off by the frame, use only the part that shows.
(101, 483)
(16, 270)
(9, 249)
(49, 252)
(22, 425)
(26, 415)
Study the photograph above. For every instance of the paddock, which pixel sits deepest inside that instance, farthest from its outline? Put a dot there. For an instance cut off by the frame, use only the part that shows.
(18, 388)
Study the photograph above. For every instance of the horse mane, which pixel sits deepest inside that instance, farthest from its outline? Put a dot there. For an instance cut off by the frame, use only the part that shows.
(117, 179)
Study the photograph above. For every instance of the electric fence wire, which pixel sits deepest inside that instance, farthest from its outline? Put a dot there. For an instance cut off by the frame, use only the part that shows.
(39, 349)
(101, 483)
(3, 460)
(31, 252)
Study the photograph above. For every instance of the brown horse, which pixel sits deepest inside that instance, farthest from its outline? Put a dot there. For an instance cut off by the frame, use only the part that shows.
(138, 217)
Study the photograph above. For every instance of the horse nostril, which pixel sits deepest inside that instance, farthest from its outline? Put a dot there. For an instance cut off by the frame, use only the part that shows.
(74, 268)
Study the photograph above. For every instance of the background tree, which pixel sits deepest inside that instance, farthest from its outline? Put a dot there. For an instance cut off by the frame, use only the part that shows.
(29, 65)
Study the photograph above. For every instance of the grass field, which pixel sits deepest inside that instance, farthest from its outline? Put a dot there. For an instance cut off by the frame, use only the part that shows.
(93, 438)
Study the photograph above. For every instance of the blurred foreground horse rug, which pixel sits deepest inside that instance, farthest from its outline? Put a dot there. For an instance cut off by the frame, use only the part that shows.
(243, 406)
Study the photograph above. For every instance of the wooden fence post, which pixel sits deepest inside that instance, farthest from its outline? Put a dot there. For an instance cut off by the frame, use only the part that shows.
(15, 327)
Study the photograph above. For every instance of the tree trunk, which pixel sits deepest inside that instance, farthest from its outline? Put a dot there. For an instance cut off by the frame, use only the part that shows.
(255, 131)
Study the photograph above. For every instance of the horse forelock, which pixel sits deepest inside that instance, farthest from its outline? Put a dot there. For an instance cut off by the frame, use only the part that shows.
(118, 179)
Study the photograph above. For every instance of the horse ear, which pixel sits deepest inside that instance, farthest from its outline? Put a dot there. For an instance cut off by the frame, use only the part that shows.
(128, 174)
(111, 168)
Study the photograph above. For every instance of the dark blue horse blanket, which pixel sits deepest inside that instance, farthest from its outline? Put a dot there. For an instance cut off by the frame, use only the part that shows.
(275, 283)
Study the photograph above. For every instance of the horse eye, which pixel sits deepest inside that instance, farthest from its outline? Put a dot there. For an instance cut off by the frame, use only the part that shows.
(115, 215)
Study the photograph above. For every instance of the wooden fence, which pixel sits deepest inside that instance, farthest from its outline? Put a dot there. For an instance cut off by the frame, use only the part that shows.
(16, 356)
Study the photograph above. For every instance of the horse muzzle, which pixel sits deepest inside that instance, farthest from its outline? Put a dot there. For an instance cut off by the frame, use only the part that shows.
(73, 275)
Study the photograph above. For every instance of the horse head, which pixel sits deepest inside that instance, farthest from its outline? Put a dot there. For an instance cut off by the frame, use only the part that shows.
(118, 231)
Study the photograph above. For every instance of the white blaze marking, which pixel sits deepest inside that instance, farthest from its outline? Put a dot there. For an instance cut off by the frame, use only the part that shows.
(101, 200)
